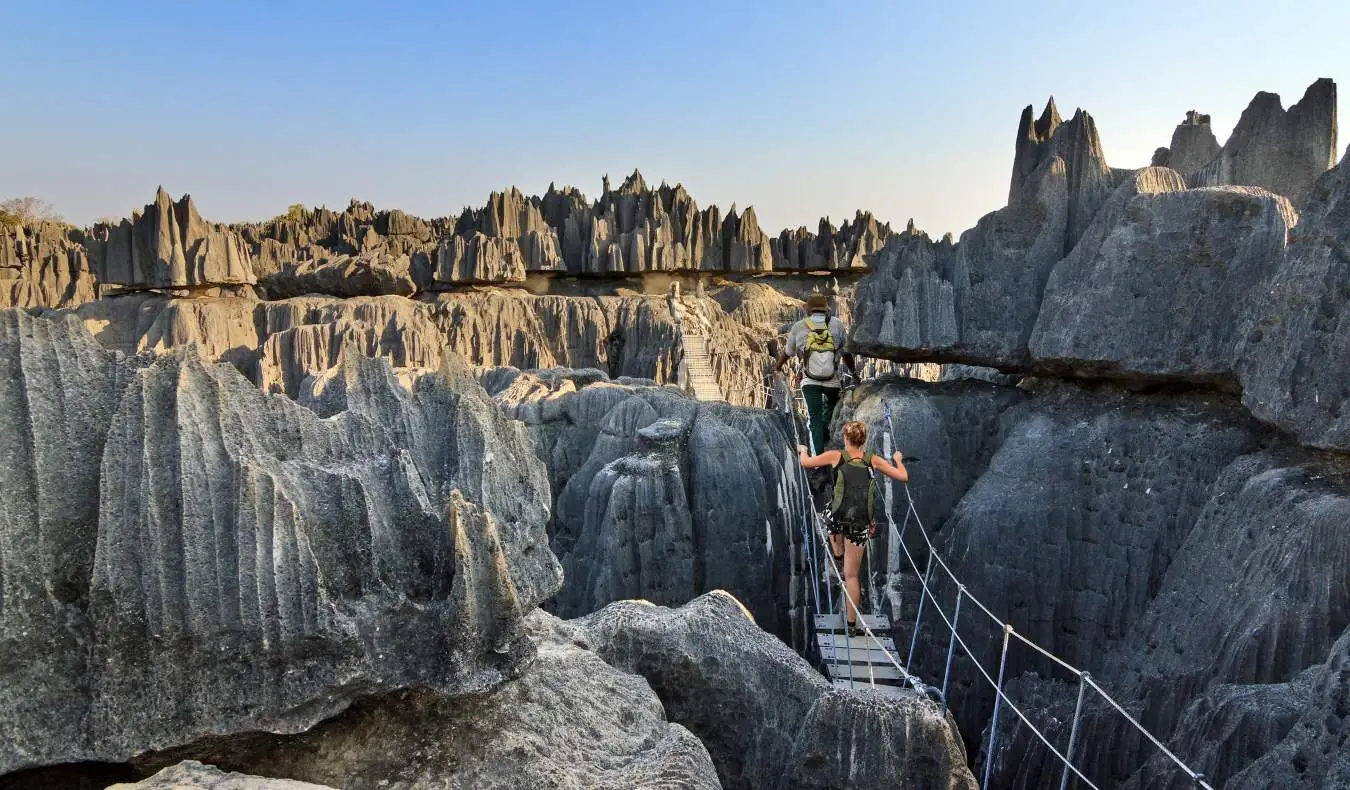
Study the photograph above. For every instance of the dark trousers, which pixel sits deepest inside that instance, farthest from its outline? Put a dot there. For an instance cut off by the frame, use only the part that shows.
(820, 403)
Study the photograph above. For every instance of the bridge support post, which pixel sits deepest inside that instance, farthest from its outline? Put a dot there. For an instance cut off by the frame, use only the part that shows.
(1073, 732)
(951, 644)
(918, 617)
(998, 704)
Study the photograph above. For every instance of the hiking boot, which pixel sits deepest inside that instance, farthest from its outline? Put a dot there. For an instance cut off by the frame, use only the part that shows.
(855, 630)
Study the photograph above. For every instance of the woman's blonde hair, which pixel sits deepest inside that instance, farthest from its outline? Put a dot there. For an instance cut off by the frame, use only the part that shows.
(855, 433)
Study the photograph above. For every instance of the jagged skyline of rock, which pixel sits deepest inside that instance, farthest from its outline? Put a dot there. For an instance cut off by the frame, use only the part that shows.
(747, 122)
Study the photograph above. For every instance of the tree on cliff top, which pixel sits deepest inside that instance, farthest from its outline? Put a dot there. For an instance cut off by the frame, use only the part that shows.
(17, 211)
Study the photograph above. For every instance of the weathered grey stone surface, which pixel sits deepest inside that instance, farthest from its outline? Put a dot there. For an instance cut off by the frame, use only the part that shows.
(1298, 351)
(852, 246)
(168, 245)
(767, 718)
(1193, 144)
(278, 344)
(1101, 524)
(976, 302)
(1282, 151)
(44, 264)
(343, 276)
(663, 498)
(58, 392)
(189, 543)
(192, 775)
(1164, 283)
(569, 721)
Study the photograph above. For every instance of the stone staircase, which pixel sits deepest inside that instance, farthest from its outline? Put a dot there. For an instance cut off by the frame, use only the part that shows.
(698, 367)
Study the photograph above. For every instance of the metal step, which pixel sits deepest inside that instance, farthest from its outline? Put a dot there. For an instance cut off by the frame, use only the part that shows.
(864, 642)
(866, 655)
(885, 689)
(877, 622)
(864, 672)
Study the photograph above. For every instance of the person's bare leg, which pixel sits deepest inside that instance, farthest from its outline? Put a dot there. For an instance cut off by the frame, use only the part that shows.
(837, 546)
(853, 554)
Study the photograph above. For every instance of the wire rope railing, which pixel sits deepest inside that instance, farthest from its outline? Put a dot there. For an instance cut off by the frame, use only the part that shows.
(815, 538)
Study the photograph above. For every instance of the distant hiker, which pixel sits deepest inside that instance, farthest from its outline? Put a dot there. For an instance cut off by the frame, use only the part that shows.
(855, 490)
(818, 340)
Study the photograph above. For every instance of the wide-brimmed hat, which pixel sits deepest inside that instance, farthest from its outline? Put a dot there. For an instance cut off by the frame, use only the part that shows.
(817, 303)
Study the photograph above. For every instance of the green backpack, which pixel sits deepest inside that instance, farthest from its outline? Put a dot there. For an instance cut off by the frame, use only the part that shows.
(855, 490)
(820, 352)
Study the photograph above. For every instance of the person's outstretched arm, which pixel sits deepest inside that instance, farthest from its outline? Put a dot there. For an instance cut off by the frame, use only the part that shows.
(896, 471)
(827, 458)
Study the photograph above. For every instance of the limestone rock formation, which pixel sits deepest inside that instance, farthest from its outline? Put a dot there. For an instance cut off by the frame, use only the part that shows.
(192, 775)
(570, 720)
(498, 243)
(660, 497)
(1298, 351)
(167, 245)
(1193, 144)
(1282, 151)
(343, 276)
(188, 542)
(44, 264)
(1163, 284)
(768, 719)
(1101, 522)
(358, 231)
(848, 247)
(977, 301)
(58, 392)
(278, 344)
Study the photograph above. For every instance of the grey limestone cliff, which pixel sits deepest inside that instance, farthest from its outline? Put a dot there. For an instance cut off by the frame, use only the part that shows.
(1281, 150)
(768, 719)
(1100, 523)
(661, 497)
(569, 720)
(189, 542)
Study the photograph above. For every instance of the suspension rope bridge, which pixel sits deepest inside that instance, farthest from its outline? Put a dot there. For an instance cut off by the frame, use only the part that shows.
(878, 665)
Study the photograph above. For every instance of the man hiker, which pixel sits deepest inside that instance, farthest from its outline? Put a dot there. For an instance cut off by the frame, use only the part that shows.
(818, 340)
(853, 504)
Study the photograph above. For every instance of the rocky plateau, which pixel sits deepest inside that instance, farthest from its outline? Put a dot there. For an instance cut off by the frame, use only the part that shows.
(360, 499)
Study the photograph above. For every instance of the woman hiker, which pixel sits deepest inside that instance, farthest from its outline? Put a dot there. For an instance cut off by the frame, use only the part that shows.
(854, 492)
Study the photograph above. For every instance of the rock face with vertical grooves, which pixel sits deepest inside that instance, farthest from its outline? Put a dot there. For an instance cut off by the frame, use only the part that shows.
(229, 561)
(1051, 261)
(1282, 151)
(1164, 283)
(44, 264)
(1100, 523)
(1193, 144)
(58, 392)
(977, 301)
(343, 276)
(661, 497)
(1293, 374)
(570, 720)
(278, 344)
(768, 719)
(168, 245)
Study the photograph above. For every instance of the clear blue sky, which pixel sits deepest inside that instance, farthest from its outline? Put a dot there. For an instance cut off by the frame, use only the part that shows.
(802, 109)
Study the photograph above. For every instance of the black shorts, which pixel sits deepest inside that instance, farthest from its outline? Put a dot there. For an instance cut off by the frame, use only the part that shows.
(857, 534)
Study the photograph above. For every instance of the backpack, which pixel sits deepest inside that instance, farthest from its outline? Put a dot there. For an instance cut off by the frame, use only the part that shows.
(820, 353)
(855, 490)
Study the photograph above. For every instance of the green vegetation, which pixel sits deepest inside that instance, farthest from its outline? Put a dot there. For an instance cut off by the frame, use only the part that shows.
(17, 211)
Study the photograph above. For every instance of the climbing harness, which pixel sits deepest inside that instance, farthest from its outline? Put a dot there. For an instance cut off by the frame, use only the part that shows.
(814, 538)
